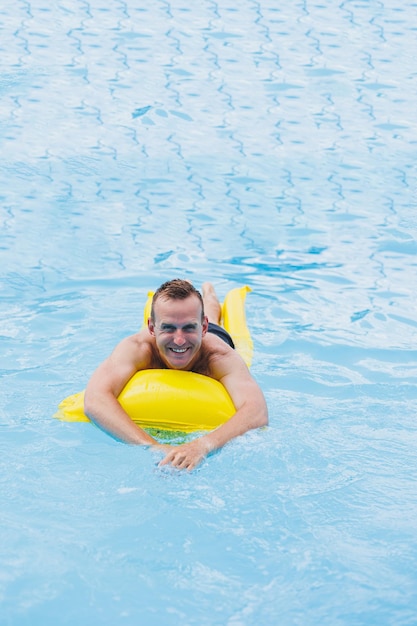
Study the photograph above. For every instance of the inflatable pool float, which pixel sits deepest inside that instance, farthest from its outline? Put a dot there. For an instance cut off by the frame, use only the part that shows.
(173, 400)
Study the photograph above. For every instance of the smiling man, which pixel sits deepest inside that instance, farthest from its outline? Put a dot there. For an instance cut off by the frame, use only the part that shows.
(183, 334)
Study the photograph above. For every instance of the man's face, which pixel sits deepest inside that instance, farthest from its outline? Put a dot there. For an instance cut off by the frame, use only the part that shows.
(178, 331)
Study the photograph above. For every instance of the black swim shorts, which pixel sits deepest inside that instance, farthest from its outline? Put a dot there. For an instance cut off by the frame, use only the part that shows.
(222, 333)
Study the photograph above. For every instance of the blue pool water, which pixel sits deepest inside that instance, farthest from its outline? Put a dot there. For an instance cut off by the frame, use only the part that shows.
(257, 142)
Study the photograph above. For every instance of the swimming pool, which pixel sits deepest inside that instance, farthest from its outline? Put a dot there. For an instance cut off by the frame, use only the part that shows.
(251, 143)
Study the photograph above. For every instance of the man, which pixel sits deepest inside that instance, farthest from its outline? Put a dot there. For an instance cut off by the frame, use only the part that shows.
(183, 334)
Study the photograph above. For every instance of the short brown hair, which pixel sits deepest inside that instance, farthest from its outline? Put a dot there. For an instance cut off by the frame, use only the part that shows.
(176, 289)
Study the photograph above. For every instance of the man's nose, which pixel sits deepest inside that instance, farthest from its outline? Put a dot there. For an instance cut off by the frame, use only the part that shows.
(179, 338)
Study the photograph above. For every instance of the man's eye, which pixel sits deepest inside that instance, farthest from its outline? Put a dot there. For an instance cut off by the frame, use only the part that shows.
(172, 329)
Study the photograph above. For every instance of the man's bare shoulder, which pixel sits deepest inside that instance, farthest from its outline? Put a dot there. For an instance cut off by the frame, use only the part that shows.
(136, 347)
(132, 354)
(222, 359)
(216, 346)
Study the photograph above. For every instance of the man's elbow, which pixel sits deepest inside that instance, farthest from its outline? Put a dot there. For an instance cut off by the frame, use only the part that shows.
(263, 419)
(260, 417)
(90, 405)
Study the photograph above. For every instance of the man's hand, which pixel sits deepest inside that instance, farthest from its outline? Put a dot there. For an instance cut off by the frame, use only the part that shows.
(186, 456)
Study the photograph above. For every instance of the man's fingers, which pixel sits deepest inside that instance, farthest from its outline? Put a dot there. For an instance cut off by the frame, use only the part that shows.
(179, 461)
(185, 456)
(172, 457)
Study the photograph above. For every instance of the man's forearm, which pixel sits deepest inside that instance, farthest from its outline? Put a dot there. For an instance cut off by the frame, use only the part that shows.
(107, 414)
(246, 418)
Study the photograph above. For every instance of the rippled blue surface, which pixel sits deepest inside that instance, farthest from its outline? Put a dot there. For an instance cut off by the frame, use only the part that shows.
(272, 144)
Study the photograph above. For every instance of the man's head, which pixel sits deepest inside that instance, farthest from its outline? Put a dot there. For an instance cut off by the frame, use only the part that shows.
(176, 289)
(178, 323)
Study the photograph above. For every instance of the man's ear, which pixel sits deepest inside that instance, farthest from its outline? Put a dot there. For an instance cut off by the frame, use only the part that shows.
(151, 326)
(205, 325)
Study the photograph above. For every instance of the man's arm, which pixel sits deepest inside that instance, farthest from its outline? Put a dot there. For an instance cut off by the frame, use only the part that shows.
(106, 383)
(251, 412)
